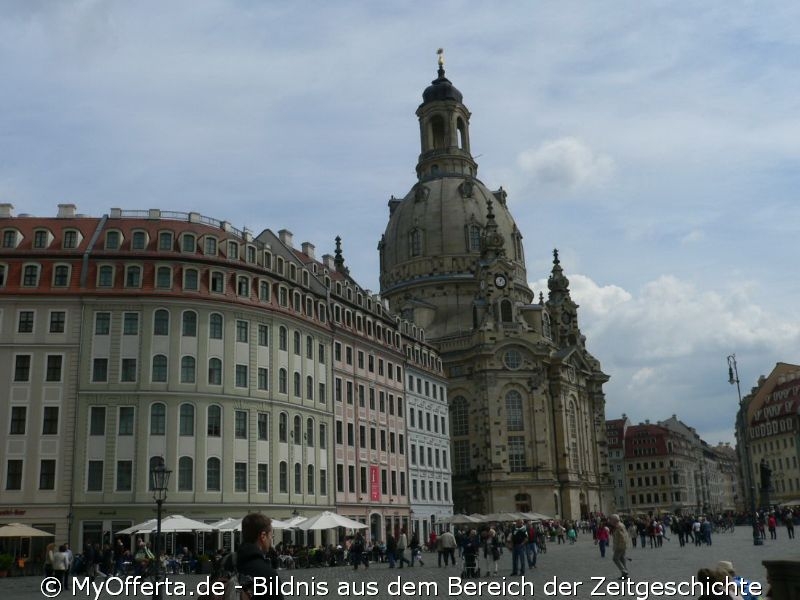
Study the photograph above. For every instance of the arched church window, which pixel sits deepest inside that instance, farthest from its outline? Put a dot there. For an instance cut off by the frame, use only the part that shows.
(514, 421)
(460, 417)
(462, 134)
(438, 132)
(572, 422)
(415, 243)
(546, 329)
(473, 238)
(506, 311)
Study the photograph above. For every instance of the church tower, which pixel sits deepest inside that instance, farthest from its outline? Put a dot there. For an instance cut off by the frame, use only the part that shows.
(527, 410)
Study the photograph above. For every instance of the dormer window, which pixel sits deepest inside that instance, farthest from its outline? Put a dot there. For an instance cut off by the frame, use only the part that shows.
(133, 277)
(30, 275)
(60, 276)
(279, 265)
(233, 250)
(113, 240)
(292, 272)
(243, 286)
(41, 239)
(10, 237)
(188, 242)
(139, 240)
(251, 254)
(211, 246)
(415, 243)
(105, 276)
(165, 240)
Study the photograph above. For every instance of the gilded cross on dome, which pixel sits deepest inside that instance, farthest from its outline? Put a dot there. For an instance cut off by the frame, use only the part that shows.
(440, 53)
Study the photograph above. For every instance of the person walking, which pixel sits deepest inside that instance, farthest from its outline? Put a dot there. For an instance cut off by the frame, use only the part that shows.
(391, 550)
(602, 539)
(519, 541)
(251, 557)
(61, 565)
(619, 544)
(402, 544)
(449, 547)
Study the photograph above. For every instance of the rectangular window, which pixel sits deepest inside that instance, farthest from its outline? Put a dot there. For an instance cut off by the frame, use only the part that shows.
(130, 323)
(128, 373)
(516, 454)
(18, 418)
(263, 426)
(217, 282)
(262, 478)
(94, 477)
(242, 331)
(25, 324)
(240, 424)
(241, 376)
(47, 474)
(339, 478)
(40, 239)
(125, 425)
(351, 435)
(323, 482)
(461, 462)
(97, 420)
(14, 474)
(124, 475)
(50, 420)
(351, 479)
(102, 323)
(263, 335)
(58, 319)
(99, 370)
(30, 276)
(240, 477)
(60, 276)
(22, 367)
(53, 372)
(263, 377)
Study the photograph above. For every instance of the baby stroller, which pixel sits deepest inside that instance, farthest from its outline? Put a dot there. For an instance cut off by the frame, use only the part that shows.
(470, 565)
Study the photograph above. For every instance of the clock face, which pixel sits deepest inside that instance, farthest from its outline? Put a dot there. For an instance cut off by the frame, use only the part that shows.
(500, 281)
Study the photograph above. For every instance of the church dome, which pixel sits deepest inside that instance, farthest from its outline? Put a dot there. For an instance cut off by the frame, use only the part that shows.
(441, 89)
(434, 232)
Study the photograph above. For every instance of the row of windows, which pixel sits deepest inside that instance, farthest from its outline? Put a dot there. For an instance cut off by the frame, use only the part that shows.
(42, 238)
(159, 373)
(189, 328)
(18, 424)
(437, 391)
(213, 424)
(396, 445)
(26, 321)
(369, 364)
(23, 365)
(416, 421)
(388, 481)
(346, 390)
(133, 278)
(363, 324)
(47, 474)
(440, 487)
(433, 457)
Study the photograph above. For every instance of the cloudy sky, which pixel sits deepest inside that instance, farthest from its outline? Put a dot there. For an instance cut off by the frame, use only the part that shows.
(656, 144)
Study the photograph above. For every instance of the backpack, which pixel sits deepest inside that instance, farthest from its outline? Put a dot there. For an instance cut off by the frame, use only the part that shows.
(233, 582)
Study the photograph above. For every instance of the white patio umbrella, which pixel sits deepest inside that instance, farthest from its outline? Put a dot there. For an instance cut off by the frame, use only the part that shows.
(176, 524)
(460, 520)
(294, 522)
(145, 526)
(20, 530)
(227, 524)
(501, 517)
(330, 520)
(535, 516)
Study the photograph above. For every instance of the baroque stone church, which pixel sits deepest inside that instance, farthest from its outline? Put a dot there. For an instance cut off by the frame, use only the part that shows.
(527, 409)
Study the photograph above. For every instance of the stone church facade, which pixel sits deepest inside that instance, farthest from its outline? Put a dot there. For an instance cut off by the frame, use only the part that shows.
(526, 402)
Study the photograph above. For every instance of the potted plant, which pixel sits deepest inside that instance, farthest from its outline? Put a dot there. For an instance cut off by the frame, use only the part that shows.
(6, 560)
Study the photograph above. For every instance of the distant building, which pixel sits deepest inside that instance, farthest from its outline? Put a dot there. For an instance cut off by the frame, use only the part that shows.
(768, 433)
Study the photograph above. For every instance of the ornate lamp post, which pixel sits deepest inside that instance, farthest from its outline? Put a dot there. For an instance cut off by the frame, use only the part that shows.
(733, 377)
(159, 481)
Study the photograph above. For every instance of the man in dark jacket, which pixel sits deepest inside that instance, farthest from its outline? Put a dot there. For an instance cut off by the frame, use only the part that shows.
(251, 558)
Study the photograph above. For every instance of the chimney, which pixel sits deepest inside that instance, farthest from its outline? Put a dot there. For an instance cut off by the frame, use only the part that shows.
(327, 260)
(286, 237)
(66, 211)
(647, 421)
(308, 249)
(6, 211)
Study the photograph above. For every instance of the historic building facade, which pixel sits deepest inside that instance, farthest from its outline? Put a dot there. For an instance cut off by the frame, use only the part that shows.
(262, 377)
(527, 409)
(767, 433)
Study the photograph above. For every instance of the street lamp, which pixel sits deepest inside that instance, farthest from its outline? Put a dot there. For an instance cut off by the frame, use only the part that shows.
(159, 481)
(733, 377)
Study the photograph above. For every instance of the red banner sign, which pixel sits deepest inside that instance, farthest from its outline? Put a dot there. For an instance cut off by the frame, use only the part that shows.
(374, 484)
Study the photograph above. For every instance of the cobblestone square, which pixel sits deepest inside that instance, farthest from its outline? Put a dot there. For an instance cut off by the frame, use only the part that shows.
(570, 566)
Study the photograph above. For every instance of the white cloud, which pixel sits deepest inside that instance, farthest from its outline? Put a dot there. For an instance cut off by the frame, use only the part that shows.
(695, 235)
(566, 162)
